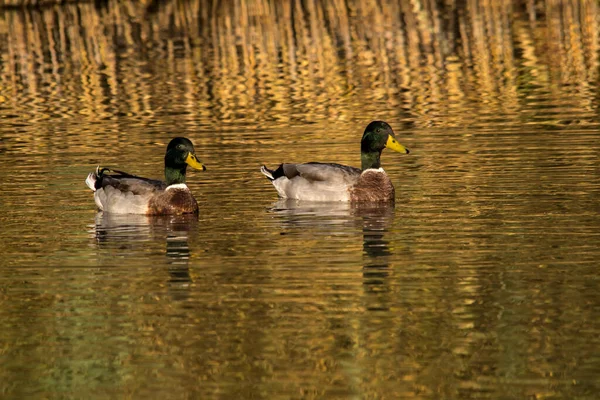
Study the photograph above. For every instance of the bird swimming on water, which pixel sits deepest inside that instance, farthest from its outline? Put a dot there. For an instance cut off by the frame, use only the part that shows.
(315, 181)
(123, 193)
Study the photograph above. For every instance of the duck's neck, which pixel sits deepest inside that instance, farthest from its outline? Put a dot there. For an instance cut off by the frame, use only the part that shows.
(370, 160)
(174, 175)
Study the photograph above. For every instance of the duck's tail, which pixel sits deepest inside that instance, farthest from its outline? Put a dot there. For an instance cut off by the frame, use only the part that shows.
(267, 172)
(91, 179)
(94, 179)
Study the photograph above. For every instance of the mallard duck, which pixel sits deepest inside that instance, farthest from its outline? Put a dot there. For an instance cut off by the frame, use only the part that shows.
(123, 193)
(334, 182)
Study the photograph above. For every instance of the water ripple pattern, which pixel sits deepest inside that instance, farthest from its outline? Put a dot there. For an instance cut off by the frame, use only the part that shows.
(481, 282)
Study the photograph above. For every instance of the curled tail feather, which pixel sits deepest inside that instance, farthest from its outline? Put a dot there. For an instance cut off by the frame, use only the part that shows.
(94, 179)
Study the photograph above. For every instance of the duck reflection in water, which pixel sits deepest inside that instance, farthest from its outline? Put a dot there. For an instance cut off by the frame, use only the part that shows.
(133, 235)
(375, 220)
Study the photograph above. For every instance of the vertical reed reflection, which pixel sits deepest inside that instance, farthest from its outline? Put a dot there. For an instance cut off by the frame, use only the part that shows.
(263, 61)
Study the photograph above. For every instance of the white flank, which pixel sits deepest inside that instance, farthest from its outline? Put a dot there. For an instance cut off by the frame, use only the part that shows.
(177, 186)
(113, 200)
(300, 189)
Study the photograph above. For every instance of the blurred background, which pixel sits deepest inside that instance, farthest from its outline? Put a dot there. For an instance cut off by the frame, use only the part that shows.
(282, 63)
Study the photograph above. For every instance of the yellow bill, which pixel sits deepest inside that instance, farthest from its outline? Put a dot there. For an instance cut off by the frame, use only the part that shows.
(393, 144)
(193, 162)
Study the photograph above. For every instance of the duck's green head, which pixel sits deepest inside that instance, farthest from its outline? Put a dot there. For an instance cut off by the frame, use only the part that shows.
(180, 154)
(378, 136)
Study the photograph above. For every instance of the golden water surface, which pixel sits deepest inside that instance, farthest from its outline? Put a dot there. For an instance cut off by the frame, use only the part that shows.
(481, 282)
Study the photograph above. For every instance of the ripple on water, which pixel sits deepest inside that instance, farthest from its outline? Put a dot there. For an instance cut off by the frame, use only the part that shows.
(481, 282)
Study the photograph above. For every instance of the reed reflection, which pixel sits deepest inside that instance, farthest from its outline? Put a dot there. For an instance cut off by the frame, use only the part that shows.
(287, 62)
(130, 234)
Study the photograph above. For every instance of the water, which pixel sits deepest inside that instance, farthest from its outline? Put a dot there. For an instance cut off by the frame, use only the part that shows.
(481, 282)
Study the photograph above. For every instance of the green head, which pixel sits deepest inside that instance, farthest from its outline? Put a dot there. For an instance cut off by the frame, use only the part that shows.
(180, 154)
(378, 136)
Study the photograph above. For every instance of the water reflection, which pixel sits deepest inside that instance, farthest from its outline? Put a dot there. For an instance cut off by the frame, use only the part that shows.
(485, 289)
(286, 62)
(130, 234)
(321, 214)
(374, 220)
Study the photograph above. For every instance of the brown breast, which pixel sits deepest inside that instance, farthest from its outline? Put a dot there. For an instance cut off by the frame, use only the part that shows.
(373, 186)
(173, 201)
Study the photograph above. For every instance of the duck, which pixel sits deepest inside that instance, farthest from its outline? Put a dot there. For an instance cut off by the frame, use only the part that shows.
(315, 181)
(122, 193)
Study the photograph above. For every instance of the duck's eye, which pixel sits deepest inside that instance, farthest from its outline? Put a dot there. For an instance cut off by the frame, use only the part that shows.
(378, 130)
(179, 147)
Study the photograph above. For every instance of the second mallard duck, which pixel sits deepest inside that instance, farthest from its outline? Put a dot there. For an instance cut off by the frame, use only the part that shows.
(123, 193)
(334, 182)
